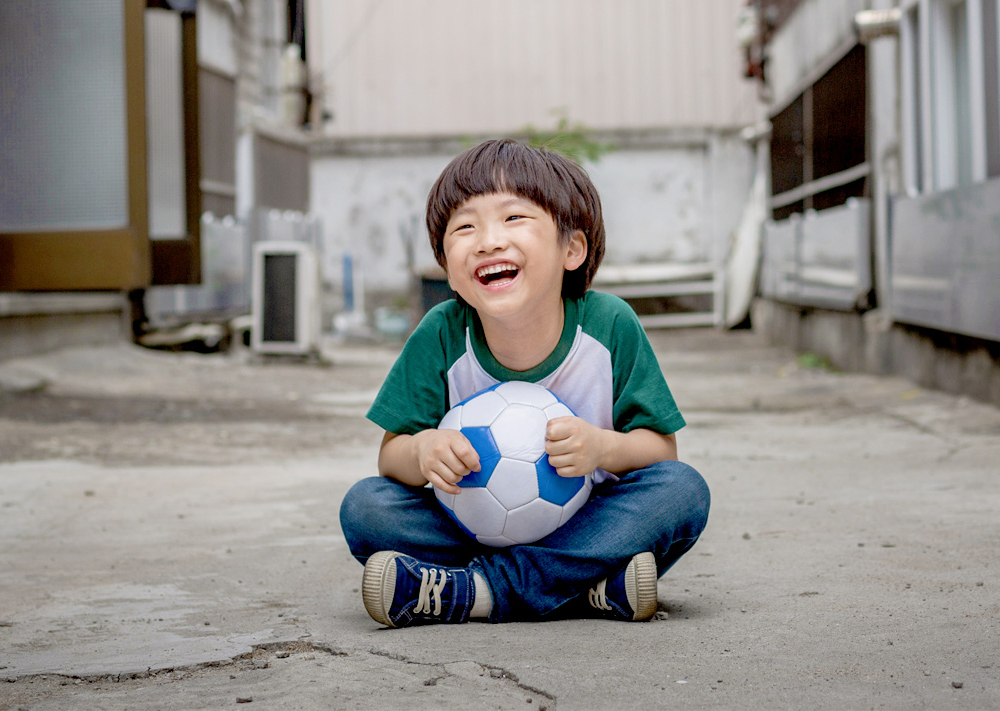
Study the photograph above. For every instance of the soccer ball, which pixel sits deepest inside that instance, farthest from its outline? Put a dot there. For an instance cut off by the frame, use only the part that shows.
(516, 497)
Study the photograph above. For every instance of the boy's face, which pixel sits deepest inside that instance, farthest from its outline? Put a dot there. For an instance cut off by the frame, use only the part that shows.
(505, 258)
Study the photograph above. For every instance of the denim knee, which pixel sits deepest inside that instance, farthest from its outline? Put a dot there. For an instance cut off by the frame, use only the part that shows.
(361, 511)
(684, 484)
(692, 485)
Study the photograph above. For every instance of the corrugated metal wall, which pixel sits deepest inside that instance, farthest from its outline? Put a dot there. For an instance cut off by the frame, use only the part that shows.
(431, 67)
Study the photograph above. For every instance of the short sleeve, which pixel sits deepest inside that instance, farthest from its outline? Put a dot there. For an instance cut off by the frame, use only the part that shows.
(414, 396)
(642, 399)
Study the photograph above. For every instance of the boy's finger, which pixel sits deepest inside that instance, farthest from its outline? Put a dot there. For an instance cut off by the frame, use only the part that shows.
(556, 447)
(468, 456)
(449, 465)
(568, 471)
(558, 428)
(444, 485)
(447, 475)
(450, 472)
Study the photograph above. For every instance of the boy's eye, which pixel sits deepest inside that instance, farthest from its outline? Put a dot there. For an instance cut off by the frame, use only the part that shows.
(515, 217)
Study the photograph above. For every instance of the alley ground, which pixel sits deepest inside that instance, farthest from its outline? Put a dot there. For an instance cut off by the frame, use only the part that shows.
(169, 540)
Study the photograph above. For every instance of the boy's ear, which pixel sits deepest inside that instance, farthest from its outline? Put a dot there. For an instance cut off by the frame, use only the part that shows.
(576, 253)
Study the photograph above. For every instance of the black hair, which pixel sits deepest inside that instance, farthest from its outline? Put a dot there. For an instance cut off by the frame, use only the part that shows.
(550, 180)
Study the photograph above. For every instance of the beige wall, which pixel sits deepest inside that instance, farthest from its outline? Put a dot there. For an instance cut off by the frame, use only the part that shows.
(438, 67)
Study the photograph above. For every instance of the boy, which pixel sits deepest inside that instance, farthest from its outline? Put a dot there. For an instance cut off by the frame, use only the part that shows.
(520, 234)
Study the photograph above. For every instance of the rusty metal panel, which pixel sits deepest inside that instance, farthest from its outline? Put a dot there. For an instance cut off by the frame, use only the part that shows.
(281, 173)
(217, 111)
(946, 260)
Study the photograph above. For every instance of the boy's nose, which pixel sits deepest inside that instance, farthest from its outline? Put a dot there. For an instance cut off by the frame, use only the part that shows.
(492, 239)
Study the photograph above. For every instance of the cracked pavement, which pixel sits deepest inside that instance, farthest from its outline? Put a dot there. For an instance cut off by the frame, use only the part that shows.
(170, 541)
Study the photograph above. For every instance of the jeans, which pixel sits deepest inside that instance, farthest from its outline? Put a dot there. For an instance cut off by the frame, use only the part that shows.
(662, 508)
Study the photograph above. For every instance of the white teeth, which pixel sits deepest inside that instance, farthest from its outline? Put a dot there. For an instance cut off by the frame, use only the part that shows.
(495, 269)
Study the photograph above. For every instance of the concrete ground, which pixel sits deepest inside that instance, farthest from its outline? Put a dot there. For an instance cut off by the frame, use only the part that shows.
(169, 540)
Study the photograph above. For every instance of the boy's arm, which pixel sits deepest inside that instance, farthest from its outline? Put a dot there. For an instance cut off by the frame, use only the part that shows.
(576, 447)
(441, 457)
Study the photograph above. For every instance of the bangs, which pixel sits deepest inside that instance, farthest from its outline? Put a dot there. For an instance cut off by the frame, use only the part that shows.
(550, 180)
(503, 167)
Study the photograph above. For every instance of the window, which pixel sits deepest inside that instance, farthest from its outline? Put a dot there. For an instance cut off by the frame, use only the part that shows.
(950, 121)
(787, 151)
(950, 93)
(912, 90)
(991, 86)
(818, 141)
(838, 109)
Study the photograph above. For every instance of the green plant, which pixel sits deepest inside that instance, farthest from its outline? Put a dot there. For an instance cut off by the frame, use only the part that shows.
(809, 360)
(573, 140)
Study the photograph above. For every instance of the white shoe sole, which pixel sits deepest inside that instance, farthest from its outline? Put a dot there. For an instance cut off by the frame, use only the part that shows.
(640, 585)
(379, 585)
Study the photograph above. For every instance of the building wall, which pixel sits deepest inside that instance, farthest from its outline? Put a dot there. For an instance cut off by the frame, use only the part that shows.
(453, 67)
(812, 39)
(670, 198)
(932, 133)
(409, 83)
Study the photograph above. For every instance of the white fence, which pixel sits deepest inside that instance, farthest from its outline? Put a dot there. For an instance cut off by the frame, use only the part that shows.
(226, 245)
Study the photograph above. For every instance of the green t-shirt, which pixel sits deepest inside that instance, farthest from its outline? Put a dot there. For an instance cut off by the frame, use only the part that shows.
(603, 368)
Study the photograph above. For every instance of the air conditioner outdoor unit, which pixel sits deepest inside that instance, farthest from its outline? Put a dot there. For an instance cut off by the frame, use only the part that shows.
(285, 305)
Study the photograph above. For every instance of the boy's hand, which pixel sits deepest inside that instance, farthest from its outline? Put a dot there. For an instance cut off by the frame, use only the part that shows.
(575, 447)
(444, 458)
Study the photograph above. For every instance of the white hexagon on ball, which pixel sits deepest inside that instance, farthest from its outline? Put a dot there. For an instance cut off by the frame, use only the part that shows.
(532, 521)
(480, 512)
(526, 394)
(483, 410)
(452, 419)
(557, 410)
(519, 432)
(513, 482)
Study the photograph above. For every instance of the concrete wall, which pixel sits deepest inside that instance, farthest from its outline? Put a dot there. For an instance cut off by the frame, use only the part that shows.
(945, 239)
(670, 197)
(372, 207)
(871, 343)
(36, 323)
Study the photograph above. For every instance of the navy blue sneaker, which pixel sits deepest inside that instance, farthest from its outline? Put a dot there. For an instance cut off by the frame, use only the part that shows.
(630, 595)
(400, 591)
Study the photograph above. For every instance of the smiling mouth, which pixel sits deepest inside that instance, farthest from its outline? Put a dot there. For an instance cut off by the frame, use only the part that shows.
(496, 272)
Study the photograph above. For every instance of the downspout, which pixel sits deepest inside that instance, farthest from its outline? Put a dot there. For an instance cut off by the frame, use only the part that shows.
(869, 26)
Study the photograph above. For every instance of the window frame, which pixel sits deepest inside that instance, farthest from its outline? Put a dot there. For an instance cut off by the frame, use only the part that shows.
(95, 259)
(946, 128)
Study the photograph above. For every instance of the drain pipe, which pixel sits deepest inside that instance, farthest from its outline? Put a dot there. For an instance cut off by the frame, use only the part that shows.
(869, 26)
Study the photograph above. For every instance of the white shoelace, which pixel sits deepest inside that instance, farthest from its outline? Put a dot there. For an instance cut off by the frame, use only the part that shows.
(598, 597)
(430, 588)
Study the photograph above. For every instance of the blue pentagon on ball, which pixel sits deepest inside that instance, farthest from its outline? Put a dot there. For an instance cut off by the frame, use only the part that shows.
(516, 497)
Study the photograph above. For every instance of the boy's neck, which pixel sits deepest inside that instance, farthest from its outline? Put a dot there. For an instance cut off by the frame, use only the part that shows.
(521, 346)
